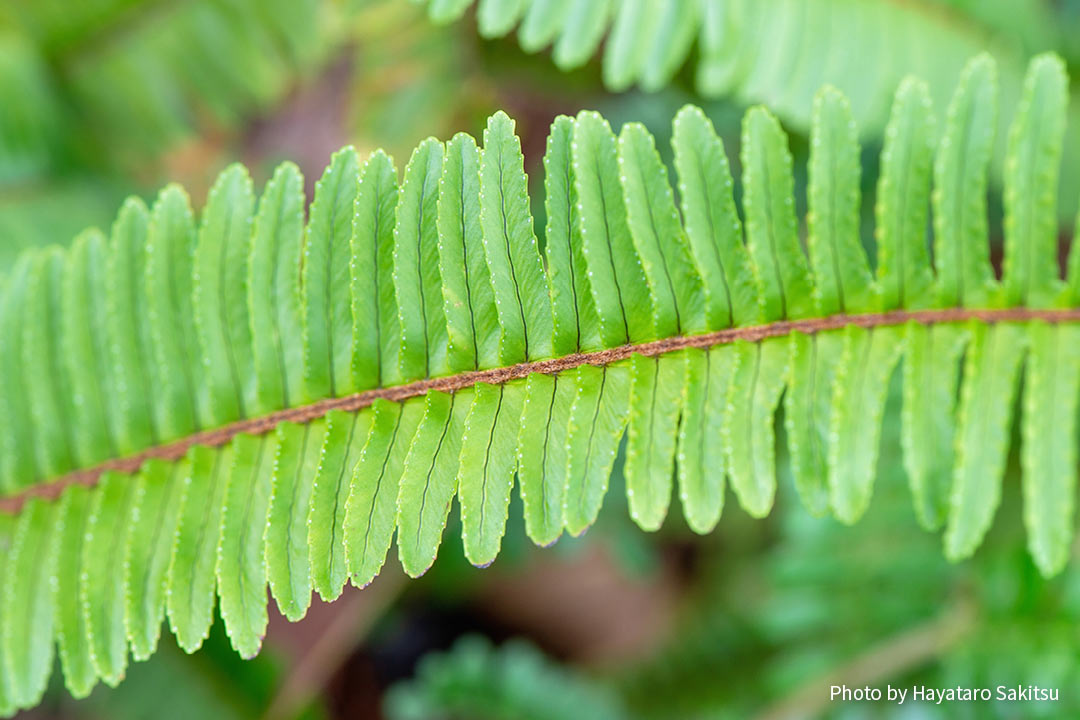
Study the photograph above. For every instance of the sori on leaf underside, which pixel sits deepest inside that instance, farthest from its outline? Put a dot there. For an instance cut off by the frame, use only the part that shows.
(190, 411)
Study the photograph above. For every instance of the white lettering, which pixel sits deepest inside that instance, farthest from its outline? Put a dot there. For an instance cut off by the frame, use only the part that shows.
(1028, 693)
(847, 694)
(941, 696)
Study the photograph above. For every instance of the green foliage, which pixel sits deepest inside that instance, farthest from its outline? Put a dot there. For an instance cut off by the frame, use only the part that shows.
(862, 48)
(104, 98)
(778, 608)
(29, 127)
(515, 681)
(175, 326)
(110, 70)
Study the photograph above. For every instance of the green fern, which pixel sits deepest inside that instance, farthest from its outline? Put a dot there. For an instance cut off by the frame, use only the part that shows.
(252, 399)
(100, 97)
(133, 87)
(645, 42)
(862, 48)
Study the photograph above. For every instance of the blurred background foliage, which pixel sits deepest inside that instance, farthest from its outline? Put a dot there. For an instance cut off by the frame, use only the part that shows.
(104, 98)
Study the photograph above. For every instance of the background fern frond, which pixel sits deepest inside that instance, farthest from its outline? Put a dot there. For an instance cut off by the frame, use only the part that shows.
(864, 49)
(475, 679)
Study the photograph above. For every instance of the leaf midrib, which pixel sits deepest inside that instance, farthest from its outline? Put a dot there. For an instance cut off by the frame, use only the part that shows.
(220, 436)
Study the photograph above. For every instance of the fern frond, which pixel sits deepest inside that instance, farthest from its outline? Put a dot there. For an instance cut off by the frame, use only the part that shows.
(647, 41)
(195, 409)
(135, 88)
(813, 42)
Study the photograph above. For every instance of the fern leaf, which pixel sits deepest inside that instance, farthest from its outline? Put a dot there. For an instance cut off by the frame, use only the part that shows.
(329, 412)
(220, 297)
(808, 406)
(328, 325)
(495, 18)
(1033, 161)
(542, 453)
(28, 616)
(615, 274)
(784, 21)
(476, 679)
(371, 511)
(903, 194)
(747, 432)
(487, 461)
(840, 266)
(128, 316)
(443, 11)
(727, 33)
(172, 74)
(573, 310)
(678, 298)
(416, 281)
(429, 479)
(673, 34)
(860, 388)
(783, 274)
(581, 34)
(627, 46)
(472, 322)
(48, 394)
(597, 422)
(189, 599)
(711, 222)
(656, 391)
(861, 48)
(7, 536)
(542, 22)
(819, 34)
(72, 639)
(85, 347)
(102, 588)
(376, 327)
(344, 440)
(288, 569)
(170, 245)
(984, 421)
(1048, 450)
(931, 372)
(18, 463)
(961, 253)
(276, 334)
(701, 461)
(160, 493)
(241, 558)
(510, 247)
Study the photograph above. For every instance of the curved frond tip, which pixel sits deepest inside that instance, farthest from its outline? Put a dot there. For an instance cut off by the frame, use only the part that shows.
(196, 407)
